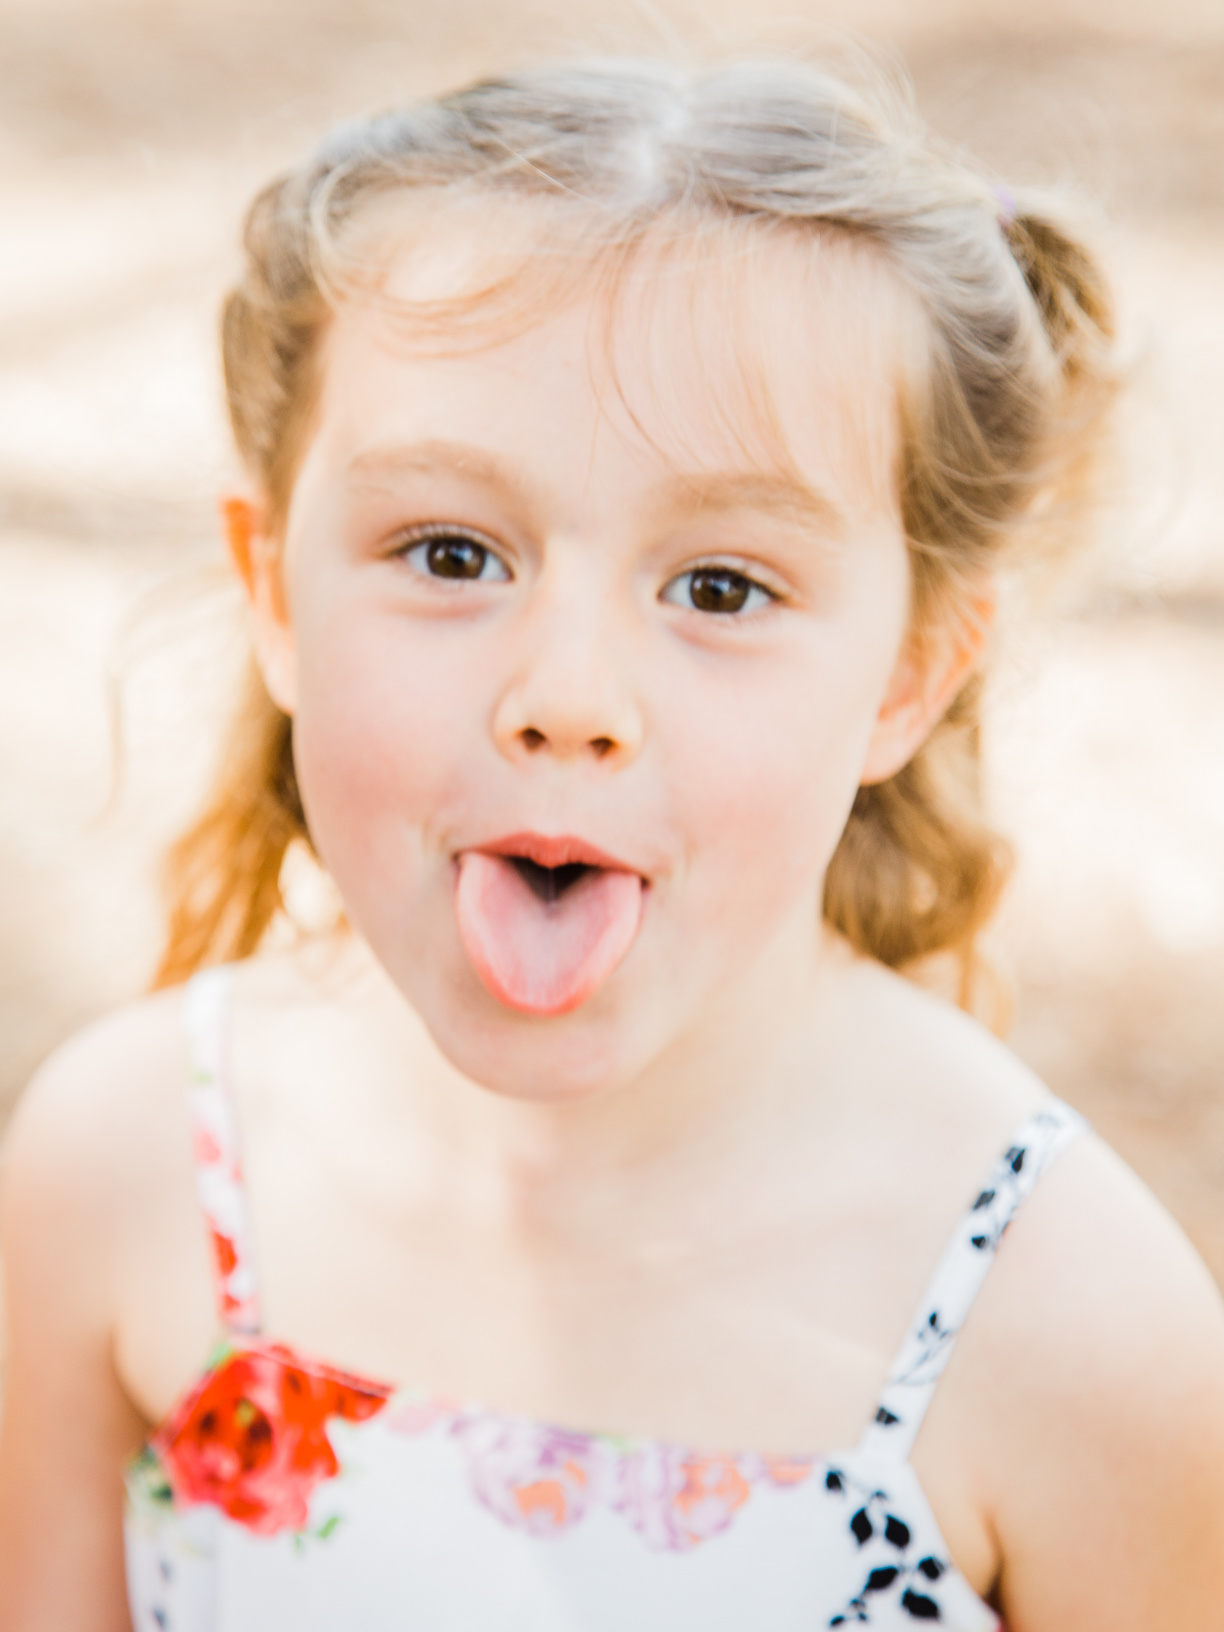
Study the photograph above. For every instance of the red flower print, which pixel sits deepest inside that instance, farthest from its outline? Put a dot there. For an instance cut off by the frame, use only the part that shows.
(226, 1254)
(252, 1439)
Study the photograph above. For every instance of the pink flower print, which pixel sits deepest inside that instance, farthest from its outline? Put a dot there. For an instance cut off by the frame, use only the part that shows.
(786, 1471)
(533, 1477)
(208, 1152)
(419, 1416)
(676, 1500)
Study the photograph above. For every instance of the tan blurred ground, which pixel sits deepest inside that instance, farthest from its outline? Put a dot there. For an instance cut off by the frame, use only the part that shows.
(130, 137)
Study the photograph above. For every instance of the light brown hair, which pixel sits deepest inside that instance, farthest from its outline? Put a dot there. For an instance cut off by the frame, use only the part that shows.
(1000, 424)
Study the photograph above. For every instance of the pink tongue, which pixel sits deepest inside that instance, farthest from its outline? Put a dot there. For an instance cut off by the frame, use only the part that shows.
(543, 957)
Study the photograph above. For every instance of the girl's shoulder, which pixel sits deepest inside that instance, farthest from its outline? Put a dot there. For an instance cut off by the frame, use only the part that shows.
(110, 1099)
(1094, 1267)
(1085, 1391)
(1088, 1391)
(1096, 1285)
(101, 1136)
(98, 1188)
(98, 1147)
(101, 1104)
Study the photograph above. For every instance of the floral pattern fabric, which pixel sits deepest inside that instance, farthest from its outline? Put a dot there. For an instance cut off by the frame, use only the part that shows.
(251, 1438)
(283, 1492)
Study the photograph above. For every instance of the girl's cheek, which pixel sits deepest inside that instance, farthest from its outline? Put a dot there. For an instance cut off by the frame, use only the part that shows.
(380, 723)
(764, 787)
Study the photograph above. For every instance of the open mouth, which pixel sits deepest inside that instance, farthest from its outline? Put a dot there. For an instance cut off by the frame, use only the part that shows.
(545, 921)
(549, 883)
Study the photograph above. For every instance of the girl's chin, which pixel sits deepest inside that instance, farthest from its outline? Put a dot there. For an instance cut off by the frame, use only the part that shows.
(542, 1062)
(545, 1059)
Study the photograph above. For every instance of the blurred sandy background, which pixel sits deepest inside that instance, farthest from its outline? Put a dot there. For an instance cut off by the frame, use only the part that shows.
(132, 133)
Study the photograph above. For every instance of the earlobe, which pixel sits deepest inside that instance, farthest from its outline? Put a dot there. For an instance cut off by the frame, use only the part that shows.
(256, 554)
(923, 688)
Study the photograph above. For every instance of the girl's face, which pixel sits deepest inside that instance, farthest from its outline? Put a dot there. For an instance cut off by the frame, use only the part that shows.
(570, 589)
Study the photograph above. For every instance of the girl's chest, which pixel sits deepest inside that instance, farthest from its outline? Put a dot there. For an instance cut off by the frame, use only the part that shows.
(774, 1332)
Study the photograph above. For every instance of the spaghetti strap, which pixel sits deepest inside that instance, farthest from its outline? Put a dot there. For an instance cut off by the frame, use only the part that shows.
(215, 1149)
(959, 1277)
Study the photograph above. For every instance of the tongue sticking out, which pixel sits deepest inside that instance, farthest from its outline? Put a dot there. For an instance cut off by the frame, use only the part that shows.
(544, 950)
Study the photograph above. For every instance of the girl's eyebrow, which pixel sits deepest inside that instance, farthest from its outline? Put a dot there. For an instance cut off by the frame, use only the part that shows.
(432, 456)
(788, 497)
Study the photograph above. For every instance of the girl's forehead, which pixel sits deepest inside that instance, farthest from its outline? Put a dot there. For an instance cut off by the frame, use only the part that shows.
(779, 352)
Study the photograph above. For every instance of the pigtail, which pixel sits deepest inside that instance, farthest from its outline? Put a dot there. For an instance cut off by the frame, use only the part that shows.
(223, 874)
(1077, 313)
(919, 870)
(1071, 296)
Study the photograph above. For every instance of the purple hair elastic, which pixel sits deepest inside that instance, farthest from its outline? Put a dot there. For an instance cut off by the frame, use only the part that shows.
(1006, 200)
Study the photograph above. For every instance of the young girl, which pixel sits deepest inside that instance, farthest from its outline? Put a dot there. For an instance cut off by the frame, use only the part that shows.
(593, 1230)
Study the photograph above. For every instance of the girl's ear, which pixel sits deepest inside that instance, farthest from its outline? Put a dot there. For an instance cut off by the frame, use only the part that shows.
(926, 679)
(256, 553)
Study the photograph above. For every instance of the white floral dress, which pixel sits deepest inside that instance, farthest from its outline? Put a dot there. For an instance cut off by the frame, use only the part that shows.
(282, 1493)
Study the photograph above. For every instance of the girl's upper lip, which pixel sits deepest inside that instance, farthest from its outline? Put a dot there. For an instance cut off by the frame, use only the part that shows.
(554, 850)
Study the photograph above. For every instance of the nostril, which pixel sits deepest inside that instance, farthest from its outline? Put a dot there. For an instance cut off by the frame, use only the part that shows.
(532, 739)
(602, 746)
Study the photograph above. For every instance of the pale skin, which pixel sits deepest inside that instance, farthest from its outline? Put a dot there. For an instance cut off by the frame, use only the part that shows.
(737, 1163)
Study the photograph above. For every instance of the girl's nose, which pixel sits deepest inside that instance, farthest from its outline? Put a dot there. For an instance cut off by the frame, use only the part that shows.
(570, 700)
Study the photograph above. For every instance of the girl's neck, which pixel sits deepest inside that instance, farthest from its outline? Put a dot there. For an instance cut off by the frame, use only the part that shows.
(727, 1083)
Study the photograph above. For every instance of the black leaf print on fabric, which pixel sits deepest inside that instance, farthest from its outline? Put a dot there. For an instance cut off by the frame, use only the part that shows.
(930, 1342)
(919, 1606)
(879, 1579)
(897, 1584)
(889, 1579)
(924, 1355)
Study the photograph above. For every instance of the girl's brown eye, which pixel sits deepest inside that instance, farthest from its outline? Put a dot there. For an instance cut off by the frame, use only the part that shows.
(455, 556)
(720, 590)
(717, 591)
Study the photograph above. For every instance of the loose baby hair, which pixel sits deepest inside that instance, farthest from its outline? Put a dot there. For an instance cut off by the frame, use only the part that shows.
(1000, 421)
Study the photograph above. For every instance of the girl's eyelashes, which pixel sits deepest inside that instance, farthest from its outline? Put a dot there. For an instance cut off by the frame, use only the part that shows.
(723, 591)
(447, 553)
(451, 554)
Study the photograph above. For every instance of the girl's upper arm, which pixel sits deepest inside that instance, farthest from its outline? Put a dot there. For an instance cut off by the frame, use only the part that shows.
(1109, 1476)
(67, 1426)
